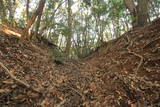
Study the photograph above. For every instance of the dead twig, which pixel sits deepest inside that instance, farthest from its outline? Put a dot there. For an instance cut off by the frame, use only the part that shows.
(62, 103)
(83, 97)
(142, 79)
(17, 80)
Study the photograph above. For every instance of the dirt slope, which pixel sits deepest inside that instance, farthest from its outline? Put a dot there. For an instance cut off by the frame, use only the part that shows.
(129, 68)
(122, 73)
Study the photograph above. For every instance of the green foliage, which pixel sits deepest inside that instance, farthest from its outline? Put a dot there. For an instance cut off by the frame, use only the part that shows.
(116, 9)
(93, 21)
(56, 54)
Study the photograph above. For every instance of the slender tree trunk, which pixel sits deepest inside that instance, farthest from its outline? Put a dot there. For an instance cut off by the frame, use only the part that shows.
(11, 9)
(27, 9)
(33, 18)
(126, 24)
(2, 11)
(37, 26)
(100, 34)
(110, 32)
(69, 37)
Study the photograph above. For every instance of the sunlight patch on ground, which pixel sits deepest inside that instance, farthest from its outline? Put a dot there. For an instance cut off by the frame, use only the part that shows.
(4, 28)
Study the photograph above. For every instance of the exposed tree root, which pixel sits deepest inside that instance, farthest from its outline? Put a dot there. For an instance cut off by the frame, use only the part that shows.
(133, 77)
(141, 59)
(131, 52)
(148, 44)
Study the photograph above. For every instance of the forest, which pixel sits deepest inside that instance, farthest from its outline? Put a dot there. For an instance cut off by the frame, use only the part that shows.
(79, 53)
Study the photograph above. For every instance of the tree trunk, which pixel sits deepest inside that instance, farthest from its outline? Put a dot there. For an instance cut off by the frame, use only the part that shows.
(139, 13)
(11, 10)
(69, 37)
(2, 11)
(33, 18)
(37, 26)
(143, 15)
(130, 5)
(27, 9)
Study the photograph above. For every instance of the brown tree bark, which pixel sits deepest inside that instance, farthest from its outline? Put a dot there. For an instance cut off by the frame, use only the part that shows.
(69, 37)
(143, 15)
(37, 26)
(130, 5)
(27, 9)
(33, 18)
(138, 12)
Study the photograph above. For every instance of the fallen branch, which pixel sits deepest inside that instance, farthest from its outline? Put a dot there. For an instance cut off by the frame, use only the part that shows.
(18, 80)
(83, 97)
(10, 30)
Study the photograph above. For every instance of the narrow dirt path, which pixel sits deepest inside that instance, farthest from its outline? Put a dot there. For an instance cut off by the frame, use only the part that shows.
(122, 73)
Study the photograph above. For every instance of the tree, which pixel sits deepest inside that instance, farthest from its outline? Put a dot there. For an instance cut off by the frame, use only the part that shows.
(139, 12)
(69, 37)
(2, 10)
(27, 9)
(38, 11)
(80, 30)
(143, 12)
(37, 26)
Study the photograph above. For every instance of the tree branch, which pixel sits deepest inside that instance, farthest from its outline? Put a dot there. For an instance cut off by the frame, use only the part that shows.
(17, 80)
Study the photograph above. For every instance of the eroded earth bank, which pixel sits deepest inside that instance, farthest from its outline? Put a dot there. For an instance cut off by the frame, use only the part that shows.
(122, 73)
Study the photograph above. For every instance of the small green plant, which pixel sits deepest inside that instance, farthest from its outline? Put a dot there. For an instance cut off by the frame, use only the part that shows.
(57, 55)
